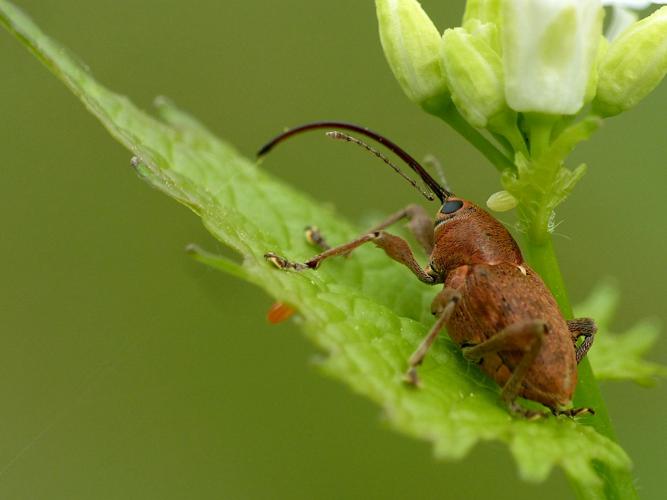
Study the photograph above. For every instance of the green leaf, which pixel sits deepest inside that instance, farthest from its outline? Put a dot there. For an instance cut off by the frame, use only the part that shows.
(619, 356)
(366, 313)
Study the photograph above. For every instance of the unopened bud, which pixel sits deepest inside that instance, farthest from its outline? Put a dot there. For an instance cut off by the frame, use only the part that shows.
(634, 65)
(482, 19)
(486, 11)
(475, 76)
(413, 46)
(549, 48)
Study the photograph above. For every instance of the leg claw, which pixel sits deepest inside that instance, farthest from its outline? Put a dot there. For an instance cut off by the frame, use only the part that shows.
(315, 238)
(283, 263)
(520, 411)
(574, 412)
(276, 260)
(411, 378)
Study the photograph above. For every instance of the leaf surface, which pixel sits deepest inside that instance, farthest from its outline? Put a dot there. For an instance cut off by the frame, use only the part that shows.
(619, 356)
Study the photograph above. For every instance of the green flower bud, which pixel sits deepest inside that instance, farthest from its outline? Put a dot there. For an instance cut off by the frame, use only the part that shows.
(502, 201)
(487, 32)
(475, 76)
(413, 45)
(549, 48)
(634, 65)
(481, 19)
(592, 85)
(485, 11)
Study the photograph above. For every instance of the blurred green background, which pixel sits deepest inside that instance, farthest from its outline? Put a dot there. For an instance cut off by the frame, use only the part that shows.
(129, 371)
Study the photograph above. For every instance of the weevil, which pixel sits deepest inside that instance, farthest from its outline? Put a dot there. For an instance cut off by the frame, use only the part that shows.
(493, 305)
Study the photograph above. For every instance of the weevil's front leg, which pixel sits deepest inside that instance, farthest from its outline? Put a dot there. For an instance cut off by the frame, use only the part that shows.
(443, 306)
(582, 327)
(419, 223)
(395, 247)
(526, 336)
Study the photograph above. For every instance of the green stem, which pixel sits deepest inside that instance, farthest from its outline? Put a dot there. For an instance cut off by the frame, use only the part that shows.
(540, 127)
(617, 483)
(474, 137)
(505, 125)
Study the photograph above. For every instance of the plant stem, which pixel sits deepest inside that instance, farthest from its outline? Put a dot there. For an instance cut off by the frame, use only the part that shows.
(617, 483)
(454, 119)
(540, 126)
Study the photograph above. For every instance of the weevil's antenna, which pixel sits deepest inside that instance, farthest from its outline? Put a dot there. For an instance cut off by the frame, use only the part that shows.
(341, 136)
(437, 189)
(433, 161)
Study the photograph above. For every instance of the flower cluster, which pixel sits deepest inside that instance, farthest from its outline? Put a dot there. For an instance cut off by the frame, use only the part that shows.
(525, 80)
(543, 56)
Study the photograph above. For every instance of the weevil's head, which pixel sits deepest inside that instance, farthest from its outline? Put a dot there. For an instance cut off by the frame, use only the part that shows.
(465, 234)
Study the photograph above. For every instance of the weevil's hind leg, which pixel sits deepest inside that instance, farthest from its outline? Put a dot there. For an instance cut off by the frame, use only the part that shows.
(526, 336)
(395, 247)
(443, 306)
(582, 327)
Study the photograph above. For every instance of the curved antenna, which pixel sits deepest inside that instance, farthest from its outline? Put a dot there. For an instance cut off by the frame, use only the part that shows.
(341, 136)
(430, 160)
(437, 189)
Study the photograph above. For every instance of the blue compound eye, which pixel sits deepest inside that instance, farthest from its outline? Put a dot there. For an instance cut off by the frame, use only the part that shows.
(451, 206)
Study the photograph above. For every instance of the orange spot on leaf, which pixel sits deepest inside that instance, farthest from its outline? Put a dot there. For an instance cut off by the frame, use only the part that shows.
(279, 312)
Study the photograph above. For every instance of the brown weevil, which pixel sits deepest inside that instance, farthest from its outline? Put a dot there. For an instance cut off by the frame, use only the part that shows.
(494, 306)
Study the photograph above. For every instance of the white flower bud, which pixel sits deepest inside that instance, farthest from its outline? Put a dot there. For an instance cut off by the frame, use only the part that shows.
(549, 48)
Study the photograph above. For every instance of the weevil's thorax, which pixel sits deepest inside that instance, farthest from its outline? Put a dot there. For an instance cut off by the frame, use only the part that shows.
(467, 235)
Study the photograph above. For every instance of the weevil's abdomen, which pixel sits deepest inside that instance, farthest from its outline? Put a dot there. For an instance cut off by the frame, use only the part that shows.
(499, 295)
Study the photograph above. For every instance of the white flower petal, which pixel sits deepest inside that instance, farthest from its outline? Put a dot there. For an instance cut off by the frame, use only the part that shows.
(549, 48)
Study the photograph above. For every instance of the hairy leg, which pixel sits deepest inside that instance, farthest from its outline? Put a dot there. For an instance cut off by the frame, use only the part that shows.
(420, 224)
(582, 327)
(395, 247)
(443, 307)
(523, 336)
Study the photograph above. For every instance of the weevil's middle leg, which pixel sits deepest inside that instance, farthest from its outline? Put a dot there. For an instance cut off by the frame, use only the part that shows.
(315, 238)
(582, 327)
(443, 307)
(526, 336)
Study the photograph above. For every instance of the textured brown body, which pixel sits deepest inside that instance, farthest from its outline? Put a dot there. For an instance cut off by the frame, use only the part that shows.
(496, 296)
(480, 260)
